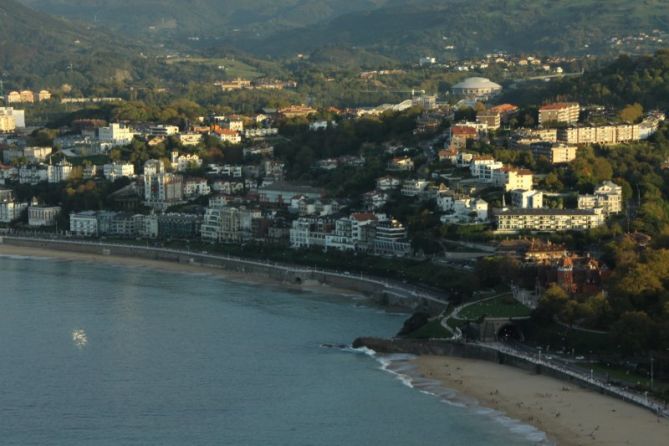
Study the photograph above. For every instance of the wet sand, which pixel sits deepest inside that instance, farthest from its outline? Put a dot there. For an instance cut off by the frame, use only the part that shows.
(568, 414)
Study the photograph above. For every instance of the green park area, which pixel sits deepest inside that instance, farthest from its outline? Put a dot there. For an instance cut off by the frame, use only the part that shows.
(504, 306)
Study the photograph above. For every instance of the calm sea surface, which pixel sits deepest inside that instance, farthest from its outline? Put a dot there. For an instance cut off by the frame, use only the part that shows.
(103, 355)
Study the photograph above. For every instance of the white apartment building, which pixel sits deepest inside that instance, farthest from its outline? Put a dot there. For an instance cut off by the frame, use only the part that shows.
(10, 211)
(462, 209)
(7, 123)
(308, 232)
(118, 170)
(483, 168)
(527, 199)
(16, 118)
(196, 187)
(608, 196)
(607, 135)
(84, 224)
(227, 224)
(57, 173)
(413, 188)
(550, 220)
(352, 233)
(116, 135)
(32, 174)
(42, 215)
(182, 163)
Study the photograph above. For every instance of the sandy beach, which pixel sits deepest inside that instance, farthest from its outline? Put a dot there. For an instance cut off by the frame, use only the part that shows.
(171, 267)
(568, 414)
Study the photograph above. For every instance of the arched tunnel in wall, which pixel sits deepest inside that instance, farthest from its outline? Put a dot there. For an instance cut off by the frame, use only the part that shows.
(510, 333)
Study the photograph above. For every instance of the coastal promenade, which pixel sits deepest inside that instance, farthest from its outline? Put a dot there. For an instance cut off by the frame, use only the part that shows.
(386, 291)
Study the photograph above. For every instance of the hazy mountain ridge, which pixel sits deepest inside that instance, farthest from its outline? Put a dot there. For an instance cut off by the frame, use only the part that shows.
(405, 29)
(202, 17)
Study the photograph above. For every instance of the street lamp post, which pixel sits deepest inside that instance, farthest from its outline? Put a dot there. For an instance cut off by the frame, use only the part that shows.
(652, 360)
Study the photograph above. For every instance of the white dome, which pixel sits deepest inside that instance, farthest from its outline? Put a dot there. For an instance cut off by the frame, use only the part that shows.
(477, 83)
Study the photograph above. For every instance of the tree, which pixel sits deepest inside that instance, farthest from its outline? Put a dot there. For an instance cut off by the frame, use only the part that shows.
(631, 113)
(552, 302)
(633, 332)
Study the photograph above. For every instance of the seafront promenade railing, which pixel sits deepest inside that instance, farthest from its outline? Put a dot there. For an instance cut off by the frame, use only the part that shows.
(580, 375)
(401, 291)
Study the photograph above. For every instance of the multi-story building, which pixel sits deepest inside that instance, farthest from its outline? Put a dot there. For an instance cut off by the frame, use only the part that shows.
(42, 215)
(527, 199)
(182, 163)
(7, 122)
(492, 119)
(462, 209)
(118, 170)
(163, 190)
(483, 166)
(44, 95)
(550, 220)
(32, 174)
(309, 232)
(57, 173)
(229, 136)
(461, 134)
(179, 226)
(561, 113)
(282, 193)
(413, 188)
(228, 224)
(190, 139)
(512, 178)
(196, 187)
(14, 97)
(609, 134)
(27, 96)
(163, 130)
(153, 167)
(554, 153)
(10, 210)
(390, 239)
(608, 196)
(84, 224)
(352, 233)
(115, 135)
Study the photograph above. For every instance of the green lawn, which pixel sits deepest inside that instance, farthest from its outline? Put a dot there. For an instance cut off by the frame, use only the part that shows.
(499, 307)
(431, 330)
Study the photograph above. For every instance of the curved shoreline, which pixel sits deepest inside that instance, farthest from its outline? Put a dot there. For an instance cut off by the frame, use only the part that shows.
(570, 414)
(382, 292)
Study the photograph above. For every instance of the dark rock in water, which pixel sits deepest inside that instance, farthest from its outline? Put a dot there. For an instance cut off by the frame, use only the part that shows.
(416, 321)
(335, 346)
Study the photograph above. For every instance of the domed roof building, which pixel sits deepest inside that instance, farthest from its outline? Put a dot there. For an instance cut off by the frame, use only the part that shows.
(476, 87)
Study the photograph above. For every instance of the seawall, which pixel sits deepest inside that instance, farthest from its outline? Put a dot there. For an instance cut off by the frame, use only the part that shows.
(380, 291)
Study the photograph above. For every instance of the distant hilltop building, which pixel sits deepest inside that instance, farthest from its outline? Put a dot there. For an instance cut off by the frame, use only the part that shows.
(44, 95)
(476, 87)
(27, 96)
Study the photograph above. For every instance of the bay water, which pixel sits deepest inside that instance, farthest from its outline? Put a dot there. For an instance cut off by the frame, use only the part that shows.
(93, 354)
